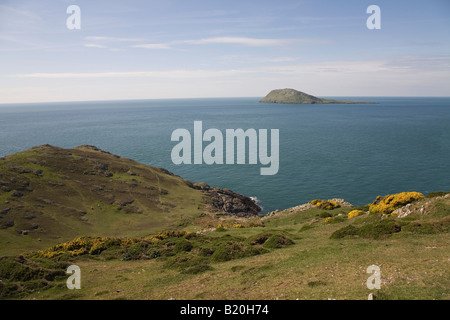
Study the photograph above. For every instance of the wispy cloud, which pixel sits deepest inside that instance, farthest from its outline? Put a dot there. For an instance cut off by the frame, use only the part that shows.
(253, 42)
(332, 67)
(95, 45)
(112, 39)
(157, 46)
(243, 41)
(178, 74)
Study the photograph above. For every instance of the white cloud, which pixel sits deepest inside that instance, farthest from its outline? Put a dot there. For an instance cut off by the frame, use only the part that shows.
(244, 41)
(94, 45)
(253, 42)
(157, 46)
(112, 39)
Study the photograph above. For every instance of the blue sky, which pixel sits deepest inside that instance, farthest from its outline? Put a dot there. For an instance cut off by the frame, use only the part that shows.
(140, 49)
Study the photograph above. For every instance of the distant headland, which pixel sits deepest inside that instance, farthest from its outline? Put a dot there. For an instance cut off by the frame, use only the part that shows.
(291, 96)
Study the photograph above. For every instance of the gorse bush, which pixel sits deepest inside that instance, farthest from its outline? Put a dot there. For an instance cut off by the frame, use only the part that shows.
(325, 204)
(84, 245)
(354, 213)
(388, 203)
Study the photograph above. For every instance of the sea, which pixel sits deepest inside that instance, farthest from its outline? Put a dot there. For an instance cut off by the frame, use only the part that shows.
(350, 151)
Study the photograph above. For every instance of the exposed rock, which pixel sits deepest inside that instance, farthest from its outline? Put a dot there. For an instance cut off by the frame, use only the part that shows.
(4, 211)
(304, 207)
(17, 194)
(7, 224)
(419, 207)
(229, 202)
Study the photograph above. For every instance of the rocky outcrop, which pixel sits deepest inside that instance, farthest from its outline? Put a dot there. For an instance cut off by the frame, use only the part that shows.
(304, 207)
(419, 207)
(227, 201)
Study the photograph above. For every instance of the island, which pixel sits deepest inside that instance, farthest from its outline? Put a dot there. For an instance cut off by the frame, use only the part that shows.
(292, 96)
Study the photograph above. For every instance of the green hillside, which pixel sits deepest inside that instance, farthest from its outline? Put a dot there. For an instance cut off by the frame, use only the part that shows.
(50, 195)
(178, 244)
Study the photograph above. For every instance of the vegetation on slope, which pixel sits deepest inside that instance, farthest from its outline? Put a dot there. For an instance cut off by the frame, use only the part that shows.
(50, 195)
(292, 255)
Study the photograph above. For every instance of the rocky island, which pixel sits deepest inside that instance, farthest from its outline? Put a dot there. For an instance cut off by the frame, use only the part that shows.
(291, 96)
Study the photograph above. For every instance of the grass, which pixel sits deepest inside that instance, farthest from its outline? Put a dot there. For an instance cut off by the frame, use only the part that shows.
(220, 265)
(289, 256)
(74, 195)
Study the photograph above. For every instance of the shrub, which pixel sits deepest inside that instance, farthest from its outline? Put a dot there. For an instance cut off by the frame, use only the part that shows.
(220, 227)
(437, 194)
(136, 251)
(183, 246)
(325, 214)
(328, 220)
(380, 229)
(234, 250)
(375, 230)
(20, 275)
(277, 241)
(325, 204)
(221, 254)
(354, 213)
(260, 238)
(345, 232)
(388, 203)
(206, 252)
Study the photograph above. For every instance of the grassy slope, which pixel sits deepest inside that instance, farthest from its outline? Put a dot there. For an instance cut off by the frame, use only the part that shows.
(414, 264)
(74, 196)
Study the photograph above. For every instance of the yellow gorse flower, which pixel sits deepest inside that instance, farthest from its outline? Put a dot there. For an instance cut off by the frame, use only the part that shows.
(388, 203)
(354, 213)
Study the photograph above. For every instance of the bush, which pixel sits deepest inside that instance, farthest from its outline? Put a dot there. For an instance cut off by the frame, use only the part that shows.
(259, 238)
(183, 246)
(221, 254)
(220, 227)
(21, 275)
(235, 250)
(136, 251)
(354, 213)
(345, 232)
(325, 214)
(375, 230)
(380, 229)
(437, 194)
(328, 220)
(277, 241)
(325, 204)
(387, 204)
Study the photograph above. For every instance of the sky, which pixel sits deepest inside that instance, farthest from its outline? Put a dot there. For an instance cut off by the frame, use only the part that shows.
(145, 49)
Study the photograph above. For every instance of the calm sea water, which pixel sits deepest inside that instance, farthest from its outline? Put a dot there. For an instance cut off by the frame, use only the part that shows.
(355, 152)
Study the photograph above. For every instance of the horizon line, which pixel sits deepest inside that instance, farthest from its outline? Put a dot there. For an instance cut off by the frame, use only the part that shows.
(218, 97)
